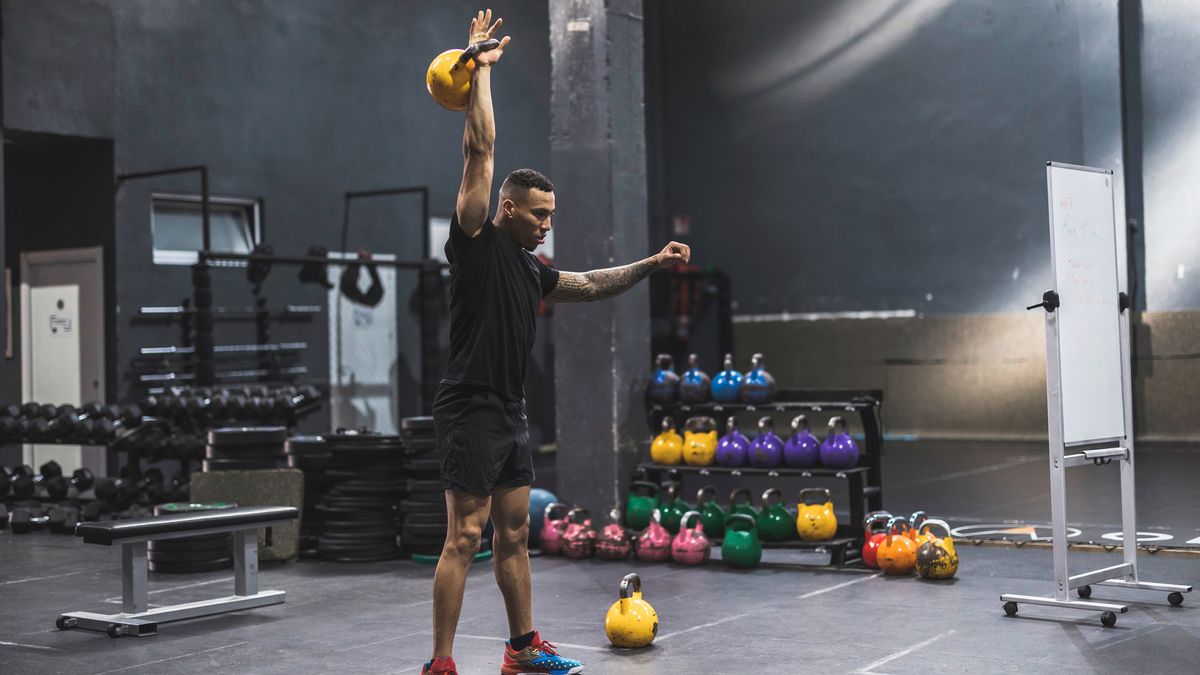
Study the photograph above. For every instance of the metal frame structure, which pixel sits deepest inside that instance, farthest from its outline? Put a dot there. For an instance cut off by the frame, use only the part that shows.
(1097, 452)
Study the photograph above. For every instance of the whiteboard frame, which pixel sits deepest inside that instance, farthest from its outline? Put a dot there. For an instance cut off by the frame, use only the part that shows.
(1054, 370)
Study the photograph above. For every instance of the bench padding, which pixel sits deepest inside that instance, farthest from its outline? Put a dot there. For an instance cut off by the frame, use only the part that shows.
(147, 528)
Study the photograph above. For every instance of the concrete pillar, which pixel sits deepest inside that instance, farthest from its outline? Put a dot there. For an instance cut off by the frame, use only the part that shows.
(598, 165)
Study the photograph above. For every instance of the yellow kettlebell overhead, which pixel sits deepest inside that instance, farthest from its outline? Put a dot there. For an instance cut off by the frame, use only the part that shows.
(631, 621)
(448, 78)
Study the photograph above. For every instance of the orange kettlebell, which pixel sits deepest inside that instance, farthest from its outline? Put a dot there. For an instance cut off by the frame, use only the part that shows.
(914, 531)
(897, 554)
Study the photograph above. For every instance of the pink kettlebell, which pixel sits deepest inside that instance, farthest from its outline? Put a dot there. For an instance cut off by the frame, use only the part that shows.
(579, 539)
(613, 542)
(553, 528)
(690, 546)
(654, 544)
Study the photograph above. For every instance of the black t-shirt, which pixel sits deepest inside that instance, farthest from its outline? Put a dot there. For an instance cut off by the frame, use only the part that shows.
(495, 287)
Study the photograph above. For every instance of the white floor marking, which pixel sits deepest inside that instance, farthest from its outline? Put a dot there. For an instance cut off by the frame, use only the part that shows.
(52, 576)
(386, 640)
(18, 644)
(1136, 635)
(660, 638)
(173, 658)
(177, 588)
(903, 652)
(837, 586)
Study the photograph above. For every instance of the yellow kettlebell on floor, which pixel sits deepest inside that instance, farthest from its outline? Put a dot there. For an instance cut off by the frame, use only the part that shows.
(448, 78)
(700, 441)
(667, 447)
(631, 621)
(936, 558)
(815, 521)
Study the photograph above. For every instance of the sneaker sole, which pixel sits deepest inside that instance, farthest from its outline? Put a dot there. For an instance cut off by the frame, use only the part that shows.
(573, 671)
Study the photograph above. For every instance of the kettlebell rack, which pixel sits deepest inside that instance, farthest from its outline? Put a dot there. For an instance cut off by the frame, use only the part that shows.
(864, 481)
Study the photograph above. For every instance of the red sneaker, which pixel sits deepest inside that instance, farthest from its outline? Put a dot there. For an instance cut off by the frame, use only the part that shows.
(537, 659)
(442, 665)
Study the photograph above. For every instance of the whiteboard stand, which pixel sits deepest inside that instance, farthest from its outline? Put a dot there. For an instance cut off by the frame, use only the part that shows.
(1087, 310)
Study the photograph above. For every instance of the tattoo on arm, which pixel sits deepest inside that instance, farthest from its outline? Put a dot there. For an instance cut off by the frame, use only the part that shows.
(600, 284)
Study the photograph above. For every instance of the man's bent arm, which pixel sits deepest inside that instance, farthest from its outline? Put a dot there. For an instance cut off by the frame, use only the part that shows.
(601, 284)
(479, 139)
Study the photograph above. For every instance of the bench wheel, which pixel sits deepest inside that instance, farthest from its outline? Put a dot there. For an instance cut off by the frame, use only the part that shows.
(63, 623)
(1176, 599)
(114, 630)
(1109, 619)
(1084, 592)
(1010, 608)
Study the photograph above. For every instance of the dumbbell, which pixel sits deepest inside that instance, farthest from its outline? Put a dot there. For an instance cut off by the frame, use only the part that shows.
(58, 488)
(146, 488)
(9, 414)
(26, 486)
(7, 477)
(129, 417)
(63, 518)
(24, 520)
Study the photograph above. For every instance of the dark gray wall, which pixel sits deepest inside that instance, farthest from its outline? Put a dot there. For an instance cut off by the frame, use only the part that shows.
(876, 155)
(293, 102)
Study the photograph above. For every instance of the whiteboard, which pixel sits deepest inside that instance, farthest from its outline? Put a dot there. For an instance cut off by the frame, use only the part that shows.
(1083, 248)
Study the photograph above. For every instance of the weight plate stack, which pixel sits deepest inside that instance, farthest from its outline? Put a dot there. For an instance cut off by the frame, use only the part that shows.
(422, 520)
(311, 455)
(246, 448)
(366, 474)
(190, 555)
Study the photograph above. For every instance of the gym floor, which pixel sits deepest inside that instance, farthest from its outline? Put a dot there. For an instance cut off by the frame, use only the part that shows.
(374, 618)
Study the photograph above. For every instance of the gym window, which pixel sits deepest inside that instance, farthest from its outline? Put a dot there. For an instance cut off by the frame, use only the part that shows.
(178, 231)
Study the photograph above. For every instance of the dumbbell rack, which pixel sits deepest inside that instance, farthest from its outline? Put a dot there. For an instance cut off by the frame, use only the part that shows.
(864, 481)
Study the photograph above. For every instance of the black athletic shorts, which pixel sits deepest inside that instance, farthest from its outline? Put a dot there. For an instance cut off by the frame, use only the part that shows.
(483, 440)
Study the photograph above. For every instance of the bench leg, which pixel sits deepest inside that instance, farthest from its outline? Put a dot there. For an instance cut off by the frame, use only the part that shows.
(133, 578)
(245, 562)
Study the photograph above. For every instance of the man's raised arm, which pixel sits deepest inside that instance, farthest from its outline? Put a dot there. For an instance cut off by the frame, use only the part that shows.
(612, 281)
(479, 136)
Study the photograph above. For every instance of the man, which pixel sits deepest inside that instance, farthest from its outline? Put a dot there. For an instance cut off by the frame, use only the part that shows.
(496, 284)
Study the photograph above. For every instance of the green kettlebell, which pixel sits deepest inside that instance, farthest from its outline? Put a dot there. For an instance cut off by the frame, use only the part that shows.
(741, 502)
(712, 516)
(741, 548)
(639, 507)
(775, 523)
(673, 507)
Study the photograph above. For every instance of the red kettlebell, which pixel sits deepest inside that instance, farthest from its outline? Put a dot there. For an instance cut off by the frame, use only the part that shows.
(690, 546)
(873, 537)
(654, 544)
(613, 542)
(553, 528)
(579, 539)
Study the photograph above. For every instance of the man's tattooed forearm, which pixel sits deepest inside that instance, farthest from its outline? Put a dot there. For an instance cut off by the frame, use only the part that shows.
(600, 284)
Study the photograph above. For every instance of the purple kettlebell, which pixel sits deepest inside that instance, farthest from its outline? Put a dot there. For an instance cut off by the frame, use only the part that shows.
(733, 446)
(802, 450)
(766, 450)
(839, 451)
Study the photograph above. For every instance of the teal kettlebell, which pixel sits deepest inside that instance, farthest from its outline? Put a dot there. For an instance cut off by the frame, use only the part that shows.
(775, 522)
(741, 548)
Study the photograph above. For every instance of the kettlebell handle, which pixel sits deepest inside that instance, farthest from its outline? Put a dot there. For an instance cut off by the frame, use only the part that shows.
(772, 492)
(631, 579)
(683, 522)
(917, 519)
(756, 361)
(892, 524)
(799, 422)
(730, 425)
(665, 362)
(706, 490)
(738, 517)
(940, 523)
(615, 515)
(873, 518)
(573, 514)
(766, 423)
(824, 492)
(475, 49)
(835, 421)
(728, 362)
(692, 359)
(550, 508)
(668, 424)
(645, 484)
(739, 491)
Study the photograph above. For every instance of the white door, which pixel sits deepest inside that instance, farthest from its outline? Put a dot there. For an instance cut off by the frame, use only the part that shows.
(62, 342)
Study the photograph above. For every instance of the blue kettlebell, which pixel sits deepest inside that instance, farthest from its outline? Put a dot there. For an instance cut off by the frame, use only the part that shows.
(802, 450)
(664, 385)
(727, 383)
(759, 387)
(694, 385)
(839, 451)
(766, 450)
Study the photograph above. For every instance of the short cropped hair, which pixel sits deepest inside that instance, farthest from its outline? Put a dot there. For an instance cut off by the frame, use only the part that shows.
(528, 179)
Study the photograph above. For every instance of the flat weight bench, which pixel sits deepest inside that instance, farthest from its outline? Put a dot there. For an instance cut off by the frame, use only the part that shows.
(136, 617)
